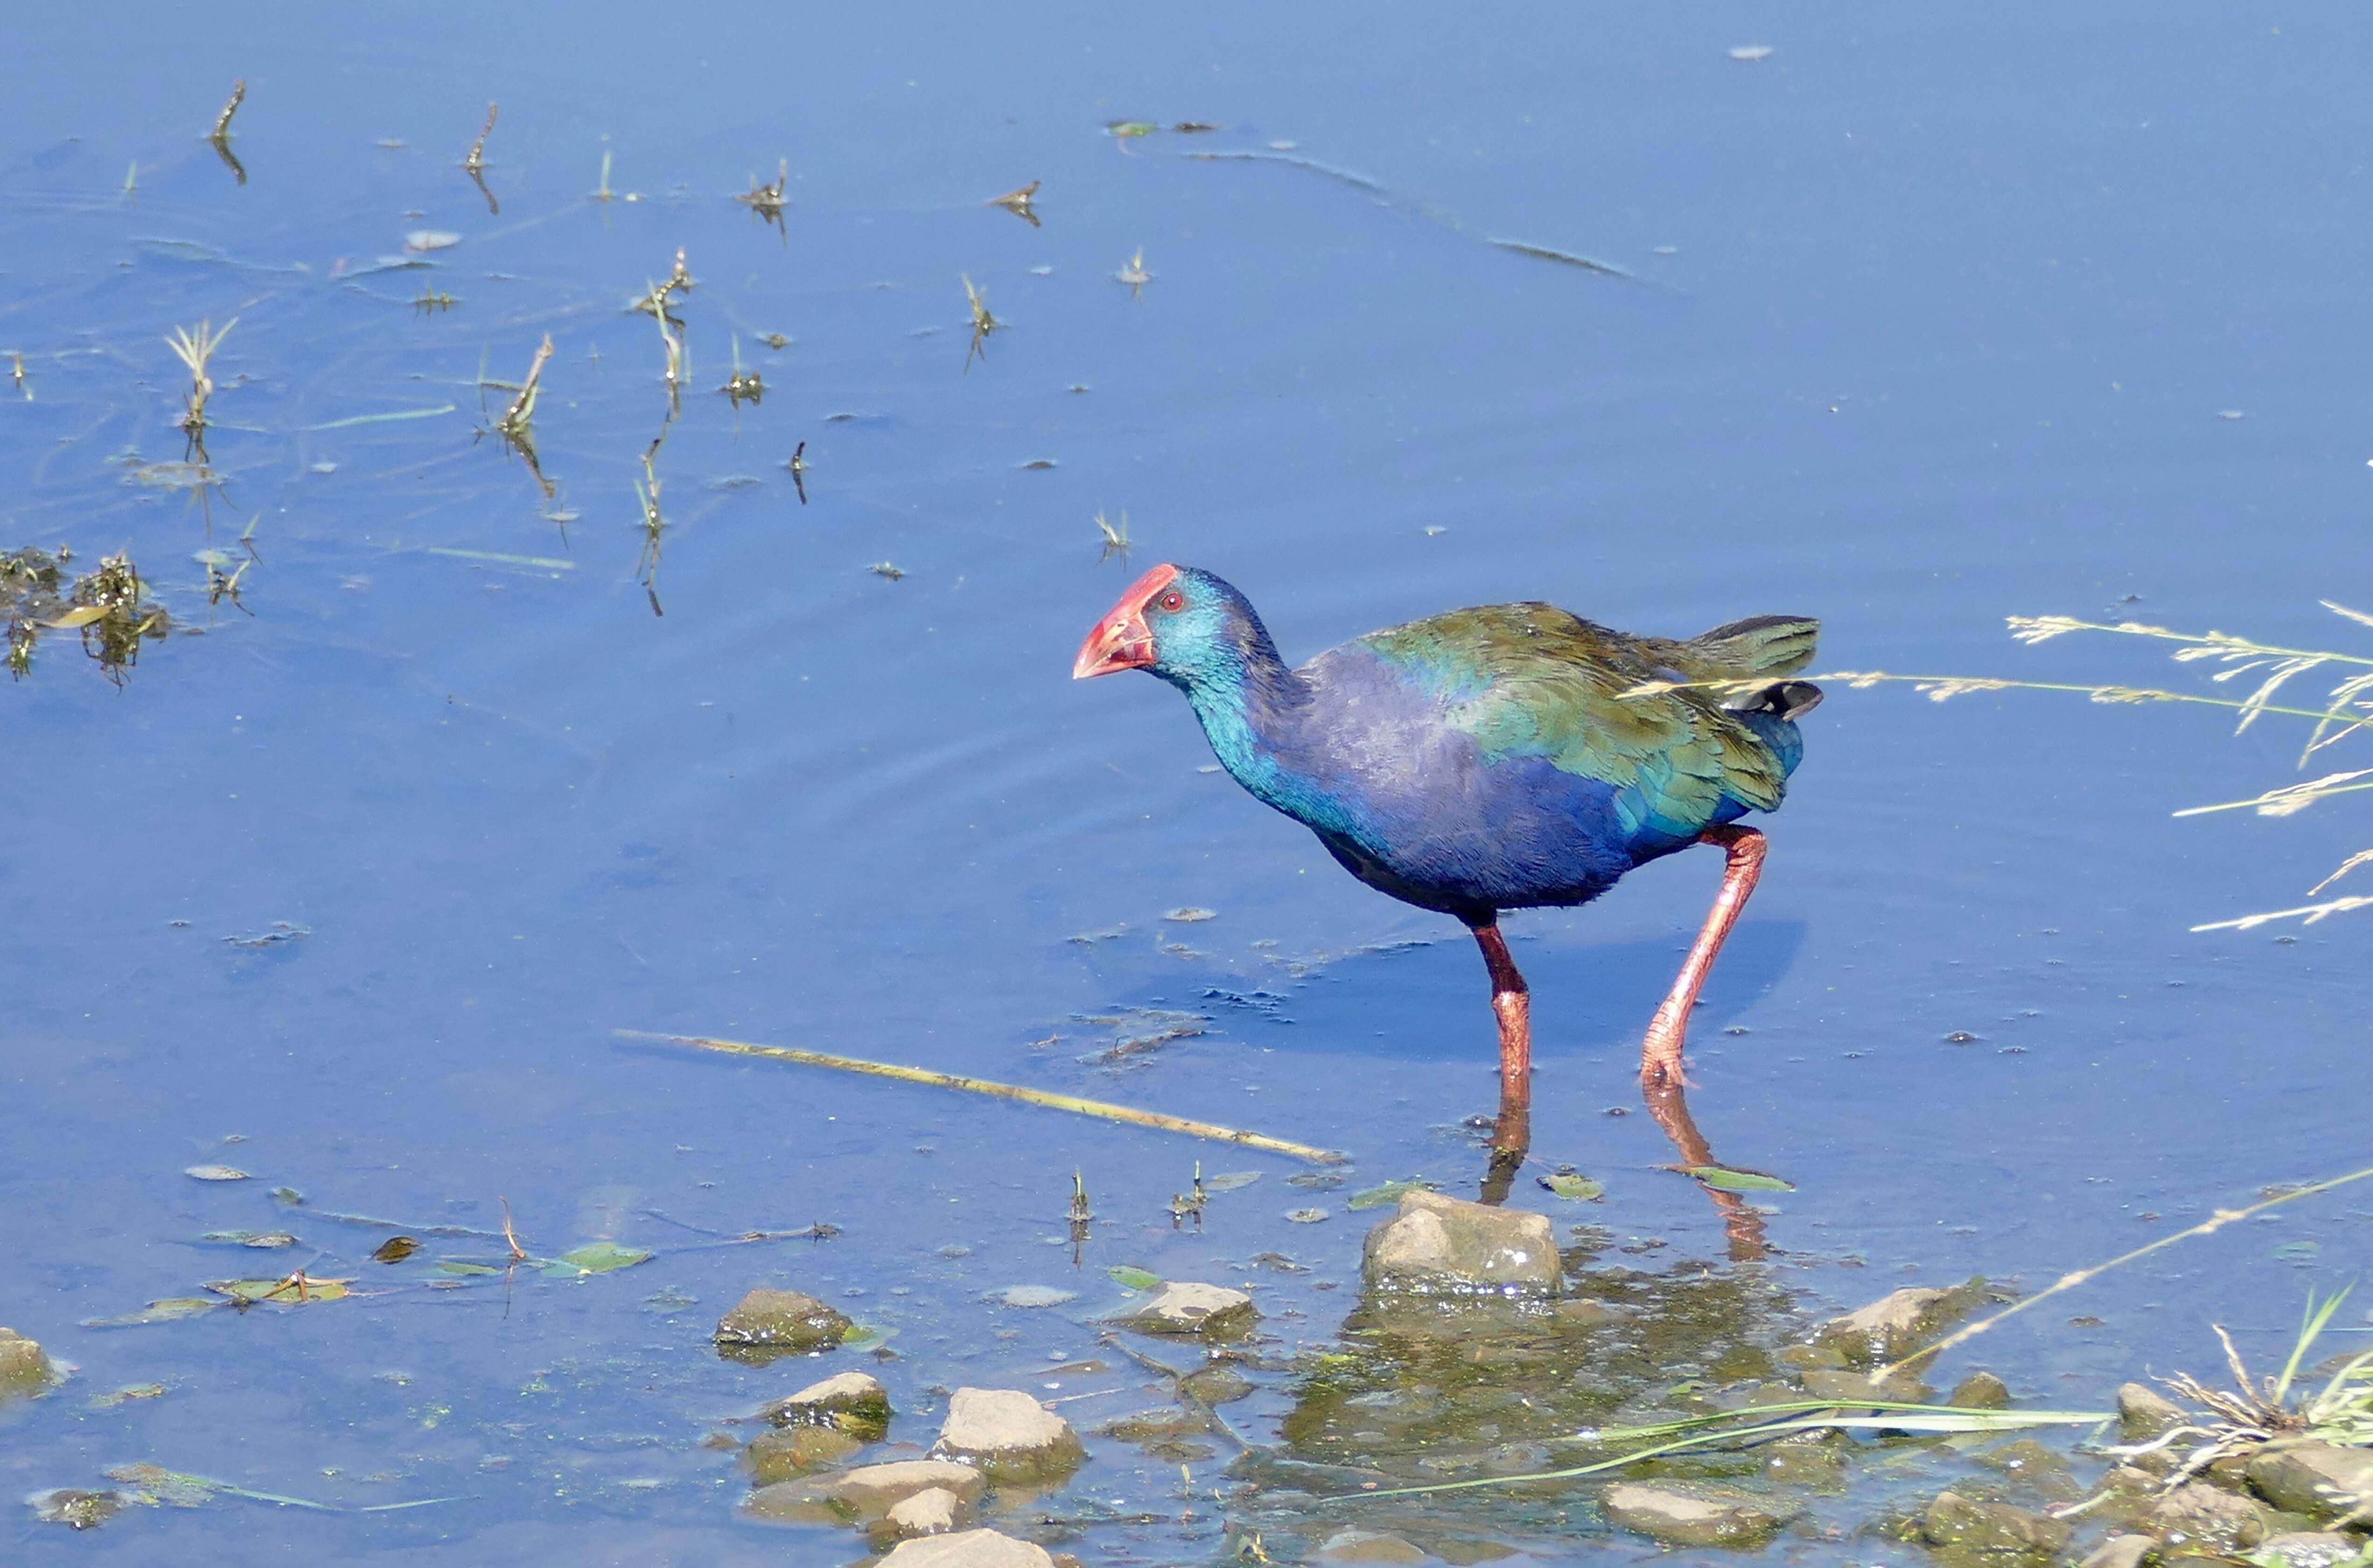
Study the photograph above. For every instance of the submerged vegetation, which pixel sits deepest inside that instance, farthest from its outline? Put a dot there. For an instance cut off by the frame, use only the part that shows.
(108, 606)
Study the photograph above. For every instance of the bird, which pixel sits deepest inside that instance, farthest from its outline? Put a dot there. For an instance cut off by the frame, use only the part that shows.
(1505, 757)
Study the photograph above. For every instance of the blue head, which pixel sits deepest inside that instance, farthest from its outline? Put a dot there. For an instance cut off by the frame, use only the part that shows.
(1186, 627)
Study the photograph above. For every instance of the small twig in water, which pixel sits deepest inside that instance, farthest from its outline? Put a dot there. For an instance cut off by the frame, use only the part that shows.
(1002, 1091)
(477, 160)
(510, 1236)
(1018, 203)
(221, 133)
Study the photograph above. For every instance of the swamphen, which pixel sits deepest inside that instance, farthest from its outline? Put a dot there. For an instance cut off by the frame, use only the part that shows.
(1487, 759)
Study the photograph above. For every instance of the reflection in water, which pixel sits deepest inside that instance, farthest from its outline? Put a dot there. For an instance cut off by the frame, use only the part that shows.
(109, 607)
(516, 427)
(767, 200)
(220, 136)
(475, 164)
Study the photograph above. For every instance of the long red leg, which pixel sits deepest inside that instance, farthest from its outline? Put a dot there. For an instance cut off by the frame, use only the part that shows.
(1511, 1003)
(1660, 1053)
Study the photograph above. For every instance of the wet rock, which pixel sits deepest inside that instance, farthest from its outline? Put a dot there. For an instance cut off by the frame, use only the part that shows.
(935, 1511)
(1995, 1528)
(1449, 1246)
(1463, 1551)
(2026, 1461)
(792, 1503)
(1368, 1545)
(1686, 1514)
(1008, 1434)
(1814, 1465)
(1852, 1388)
(23, 1368)
(78, 1510)
(1216, 1384)
(848, 1401)
(1586, 1314)
(795, 1451)
(2119, 1551)
(870, 1492)
(1214, 1312)
(2142, 1414)
(2315, 1479)
(2308, 1549)
(772, 1323)
(1981, 1391)
(1897, 1323)
(2199, 1517)
(969, 1548)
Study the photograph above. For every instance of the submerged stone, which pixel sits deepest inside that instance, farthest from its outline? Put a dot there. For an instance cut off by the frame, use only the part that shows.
(1852, 1388)
(1897, 1323)
(2310, 1548)
(969, 1548)
(1438, 1245)
(772, 1323)
(2142, 1414)
(773, 1456)
(1686, 1513)
(791, 1502)
(1994, 1528)
(2315, 1479)
(75, 1509)
(1368, 1545)
(1216, 1384)
(1214, 1312)
(1008, 1434)
(872, 1491)
(853, 1402)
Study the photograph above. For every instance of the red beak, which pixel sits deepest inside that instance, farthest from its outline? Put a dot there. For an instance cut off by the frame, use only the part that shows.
(1122, 640)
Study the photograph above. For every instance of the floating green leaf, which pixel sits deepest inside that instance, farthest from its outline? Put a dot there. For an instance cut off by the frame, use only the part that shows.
(127, 1394)
(1575, 1185)
(1130, 1278)
(1125, 129)
(1390, 1192)
(1725, 1178)
(595, 1257)
(457, 1266)
(164, 1311)
(287, 1196)
(290, 1292)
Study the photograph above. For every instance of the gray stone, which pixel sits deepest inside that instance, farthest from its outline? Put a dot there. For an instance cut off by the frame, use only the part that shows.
(934, 1511)
(1214, 1312)
(1689, 1513)
(1449, 1246)
(1981, 1391)
(791, 1502)
(1216, 1383)
(795, 1451)
(852, 1402)
(969, 1548)
(1852, 1387)
(2119, 1551)
(1953, 1520)
(2315, 1479)
(2308, 1549)
(1008, 1434)
(1368, 1545)
(1808, 1463)
(870, 1492)
(1897, 1323)
(779, 1323)
(2143, 1413)
(2197, 1516)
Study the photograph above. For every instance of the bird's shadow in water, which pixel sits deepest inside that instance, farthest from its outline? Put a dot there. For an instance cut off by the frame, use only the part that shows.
(1428, 1008)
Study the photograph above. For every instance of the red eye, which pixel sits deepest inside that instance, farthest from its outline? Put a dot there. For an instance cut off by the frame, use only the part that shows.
(1174, 600)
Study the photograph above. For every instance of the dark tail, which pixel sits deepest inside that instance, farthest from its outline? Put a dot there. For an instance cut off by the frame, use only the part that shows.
(1760, 645)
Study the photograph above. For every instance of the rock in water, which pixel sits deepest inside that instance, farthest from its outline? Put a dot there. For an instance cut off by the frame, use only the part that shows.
(1368, 1545)
(2144, 1414)
(2124, 1551)
(969, 1548)
(1213, 1312)
(1008, 1434)
(870, 1492)
(2206, 1519)
(772, 1323)
(2316, 1479)
(2306, 1548)
(935, 1511)
(1686, 1514)
(852, 1402)
(1981, 1391)
(795, 1451)
(1897, 1323)
(1447, 1245)
(23, 1368)
(1954, 1520)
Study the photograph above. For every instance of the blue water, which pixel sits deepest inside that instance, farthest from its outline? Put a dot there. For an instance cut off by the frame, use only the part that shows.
(1926, 322)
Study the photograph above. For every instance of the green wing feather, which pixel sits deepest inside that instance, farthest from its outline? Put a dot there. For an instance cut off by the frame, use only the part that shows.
(1532, 679)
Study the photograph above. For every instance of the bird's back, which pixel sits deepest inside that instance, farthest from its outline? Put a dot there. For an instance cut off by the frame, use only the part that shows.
(1507, 754)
